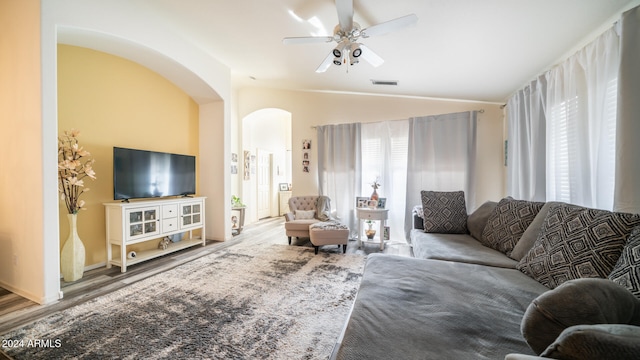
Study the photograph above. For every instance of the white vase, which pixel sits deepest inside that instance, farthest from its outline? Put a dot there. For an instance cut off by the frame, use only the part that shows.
(72, 255)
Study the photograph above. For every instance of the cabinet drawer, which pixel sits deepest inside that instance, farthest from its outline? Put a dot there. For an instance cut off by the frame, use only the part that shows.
(169, 211)
(169, 225)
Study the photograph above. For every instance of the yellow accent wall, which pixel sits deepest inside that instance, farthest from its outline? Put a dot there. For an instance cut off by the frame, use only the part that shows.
(116, 102)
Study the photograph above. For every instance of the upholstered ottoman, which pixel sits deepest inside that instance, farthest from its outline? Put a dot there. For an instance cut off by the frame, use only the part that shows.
(329, 233)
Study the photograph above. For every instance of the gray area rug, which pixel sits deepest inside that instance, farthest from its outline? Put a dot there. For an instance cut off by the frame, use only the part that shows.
(247, 302)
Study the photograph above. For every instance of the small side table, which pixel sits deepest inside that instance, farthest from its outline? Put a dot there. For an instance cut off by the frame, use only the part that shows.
(237, 228)
(372, 214)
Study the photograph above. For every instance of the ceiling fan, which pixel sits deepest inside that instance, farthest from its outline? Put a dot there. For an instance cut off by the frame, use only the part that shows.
(347, 33)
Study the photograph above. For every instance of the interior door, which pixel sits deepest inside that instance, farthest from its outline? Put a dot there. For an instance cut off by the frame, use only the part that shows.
(264, 183)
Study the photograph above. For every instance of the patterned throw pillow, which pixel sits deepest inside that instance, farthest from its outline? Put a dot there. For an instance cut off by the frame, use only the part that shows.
(508, 222)
(577, 242)
(627, 270)
(444, 212)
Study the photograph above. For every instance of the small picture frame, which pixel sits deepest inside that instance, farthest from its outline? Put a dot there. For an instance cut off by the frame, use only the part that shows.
(382, 202)
(361, 202)
(306, 144)
(284, 187)
(372, 204)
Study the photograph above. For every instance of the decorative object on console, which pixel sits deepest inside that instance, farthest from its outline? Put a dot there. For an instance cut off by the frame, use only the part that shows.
(131, 255)
(382, 203)
(74, 165)
(164, 243)
(375, 185)
(361, 201)
(372, 204)
(370, 232)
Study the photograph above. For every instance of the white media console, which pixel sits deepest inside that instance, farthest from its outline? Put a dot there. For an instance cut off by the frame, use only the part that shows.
(135, 222)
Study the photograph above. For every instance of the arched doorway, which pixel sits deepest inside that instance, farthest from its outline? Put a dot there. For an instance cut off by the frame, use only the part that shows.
(266, 135)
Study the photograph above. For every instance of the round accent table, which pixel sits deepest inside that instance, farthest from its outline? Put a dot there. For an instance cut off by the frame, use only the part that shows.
(372, 214)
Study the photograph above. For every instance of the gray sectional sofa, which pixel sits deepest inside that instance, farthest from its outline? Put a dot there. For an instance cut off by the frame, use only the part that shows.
(514, 279)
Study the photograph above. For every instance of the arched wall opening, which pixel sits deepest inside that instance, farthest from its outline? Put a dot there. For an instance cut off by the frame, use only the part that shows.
(265, 132)
(184, 64)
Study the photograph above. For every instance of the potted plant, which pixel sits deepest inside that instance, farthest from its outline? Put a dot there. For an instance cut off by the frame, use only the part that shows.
(370, 232)
(236, 202)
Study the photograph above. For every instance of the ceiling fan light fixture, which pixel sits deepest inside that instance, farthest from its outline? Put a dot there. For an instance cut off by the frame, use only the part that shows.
(339, 50)
(356, 51)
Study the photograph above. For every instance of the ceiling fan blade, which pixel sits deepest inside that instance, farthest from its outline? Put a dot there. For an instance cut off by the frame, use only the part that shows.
(389, 26)
(325, 64)
(370, 57)
(306, 40)
(345, 14)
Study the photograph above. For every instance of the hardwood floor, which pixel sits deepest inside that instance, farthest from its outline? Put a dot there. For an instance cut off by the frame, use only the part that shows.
(16, 311)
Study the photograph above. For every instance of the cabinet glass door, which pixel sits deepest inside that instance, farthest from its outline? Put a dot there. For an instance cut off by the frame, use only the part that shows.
(142, 222)
(191, 215)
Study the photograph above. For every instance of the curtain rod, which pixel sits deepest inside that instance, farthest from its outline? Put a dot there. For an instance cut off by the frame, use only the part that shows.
(481, 111)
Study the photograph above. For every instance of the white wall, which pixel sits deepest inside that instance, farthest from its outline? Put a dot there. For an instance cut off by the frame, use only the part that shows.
(317, 108)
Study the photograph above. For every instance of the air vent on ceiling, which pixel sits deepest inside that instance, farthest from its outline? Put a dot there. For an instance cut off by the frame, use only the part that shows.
(385, 82)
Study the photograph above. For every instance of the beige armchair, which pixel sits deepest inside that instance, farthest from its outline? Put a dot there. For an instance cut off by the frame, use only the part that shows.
(303, 211)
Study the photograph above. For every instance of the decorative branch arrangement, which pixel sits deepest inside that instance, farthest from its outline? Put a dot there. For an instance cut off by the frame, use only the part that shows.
(74, 165)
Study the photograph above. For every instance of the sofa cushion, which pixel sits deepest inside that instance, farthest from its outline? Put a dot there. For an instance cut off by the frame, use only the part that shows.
(576, 302)
(444, 212)
(477, 220)
(530, 235)
(428, 309)
(627, 269)
(457, 247)
(305, 214)
(508, 222)
(596, 342)
(577, 242)
(299, 225)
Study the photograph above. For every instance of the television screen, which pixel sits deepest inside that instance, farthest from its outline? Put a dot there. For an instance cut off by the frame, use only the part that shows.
(148, 174)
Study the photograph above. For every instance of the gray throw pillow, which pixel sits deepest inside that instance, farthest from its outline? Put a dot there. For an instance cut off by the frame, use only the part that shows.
(478, 219)
(577, 242)
(627, 269)
(444, 212)
(508, 222)
(596, 342)
(577, 302)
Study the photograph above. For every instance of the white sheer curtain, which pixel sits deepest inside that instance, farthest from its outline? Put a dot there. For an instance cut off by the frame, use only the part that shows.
(384, 157)
(581, 125)
(441, 157)
(526, 148)
(339, 169)
(627, 196)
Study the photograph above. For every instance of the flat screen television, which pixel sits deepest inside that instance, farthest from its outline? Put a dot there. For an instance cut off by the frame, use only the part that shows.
(149, 174)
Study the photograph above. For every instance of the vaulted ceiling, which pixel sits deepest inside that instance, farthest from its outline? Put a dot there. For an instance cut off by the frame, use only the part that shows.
(481, 50)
